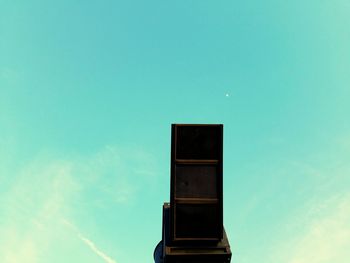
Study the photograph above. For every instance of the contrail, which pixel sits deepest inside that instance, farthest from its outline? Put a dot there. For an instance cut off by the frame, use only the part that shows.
(98, 252)
(89, 243)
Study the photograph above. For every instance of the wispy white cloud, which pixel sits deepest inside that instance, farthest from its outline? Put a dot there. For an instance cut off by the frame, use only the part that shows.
(29, 207)
(44, 189)
(322, 236)
(116, 174)
(319, 230)
(98, 252)
(89, 243)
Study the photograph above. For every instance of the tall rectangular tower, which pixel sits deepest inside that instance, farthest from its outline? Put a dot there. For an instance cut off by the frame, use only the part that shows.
(193, 230)
(196, 182)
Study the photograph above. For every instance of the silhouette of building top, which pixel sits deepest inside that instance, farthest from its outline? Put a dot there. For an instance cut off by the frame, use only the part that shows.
(196, 182)
(193, 228)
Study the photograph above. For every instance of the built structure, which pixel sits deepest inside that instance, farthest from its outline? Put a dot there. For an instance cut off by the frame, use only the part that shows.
(193, 230)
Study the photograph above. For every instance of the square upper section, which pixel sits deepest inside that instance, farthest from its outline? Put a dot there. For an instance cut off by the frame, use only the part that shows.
(198, 142)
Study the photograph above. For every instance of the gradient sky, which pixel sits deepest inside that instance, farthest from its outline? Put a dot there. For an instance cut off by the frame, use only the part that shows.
(89, 89)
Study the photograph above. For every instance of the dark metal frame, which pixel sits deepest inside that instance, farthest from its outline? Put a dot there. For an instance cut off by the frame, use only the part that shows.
(219, 184)
(168, 252)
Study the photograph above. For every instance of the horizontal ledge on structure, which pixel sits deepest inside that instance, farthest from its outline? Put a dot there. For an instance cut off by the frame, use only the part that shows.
(196, 161)
(186, 251)
(196, 200)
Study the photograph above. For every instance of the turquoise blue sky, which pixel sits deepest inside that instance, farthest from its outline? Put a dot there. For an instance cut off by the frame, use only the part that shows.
(89, 89)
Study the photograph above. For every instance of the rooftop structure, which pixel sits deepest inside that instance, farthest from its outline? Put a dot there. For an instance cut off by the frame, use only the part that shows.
(193, 228)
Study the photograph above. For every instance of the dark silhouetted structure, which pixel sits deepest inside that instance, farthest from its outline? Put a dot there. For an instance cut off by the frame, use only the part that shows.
(193, 229)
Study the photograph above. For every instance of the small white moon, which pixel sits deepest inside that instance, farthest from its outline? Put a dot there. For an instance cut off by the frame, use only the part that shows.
(227, 95)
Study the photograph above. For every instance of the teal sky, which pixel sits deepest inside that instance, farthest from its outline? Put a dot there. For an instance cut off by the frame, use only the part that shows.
(89, 89)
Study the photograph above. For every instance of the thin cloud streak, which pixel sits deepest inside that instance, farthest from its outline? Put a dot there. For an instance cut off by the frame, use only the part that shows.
(89, 243)
(93, 247)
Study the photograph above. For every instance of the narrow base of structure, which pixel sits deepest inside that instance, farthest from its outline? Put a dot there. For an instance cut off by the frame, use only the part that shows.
(168, 252)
